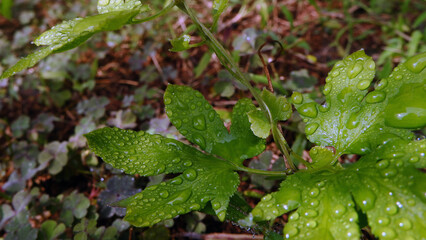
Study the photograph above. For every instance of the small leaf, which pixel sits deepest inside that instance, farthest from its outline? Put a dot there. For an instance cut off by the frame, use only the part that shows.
(50, 230)
(72, 33)
(278, 106)
(218, 7)
(259, 123)
(355, 121)
(181, 43)
(196, 119)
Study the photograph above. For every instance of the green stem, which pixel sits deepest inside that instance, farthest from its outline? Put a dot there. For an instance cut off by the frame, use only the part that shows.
(228, 62)
(158, 14)
(262, 172)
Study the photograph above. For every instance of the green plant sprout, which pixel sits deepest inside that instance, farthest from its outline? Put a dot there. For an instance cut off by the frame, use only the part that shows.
(325, 199)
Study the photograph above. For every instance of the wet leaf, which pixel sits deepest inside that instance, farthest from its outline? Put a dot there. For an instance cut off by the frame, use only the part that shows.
(354, 120)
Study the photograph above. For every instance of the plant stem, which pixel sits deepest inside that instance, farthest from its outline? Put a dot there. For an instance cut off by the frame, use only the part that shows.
(228, 62)
(158, 14)
(261, 172)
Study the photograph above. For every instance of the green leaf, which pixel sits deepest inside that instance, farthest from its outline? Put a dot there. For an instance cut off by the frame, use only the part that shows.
(105, 6)
(51, 230)
(27, 61)
(279, 109)
(218, 7)
(196, 119)
(278, 106)
(204, 178)
(355, 121)
(181, 43)
(390, 192)
(72, 33)
(259, 123)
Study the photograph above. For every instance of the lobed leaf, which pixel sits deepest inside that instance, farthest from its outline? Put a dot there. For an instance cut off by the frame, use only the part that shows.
(196, 119)
(355, 121)
(279, 109)
(388, 191)
(72, 33)
(204, 178)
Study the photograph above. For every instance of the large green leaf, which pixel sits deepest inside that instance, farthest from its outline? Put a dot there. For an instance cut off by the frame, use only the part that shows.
(354, 120)
(195, 118)
(72, 33)
(204, 178)
(389, 191)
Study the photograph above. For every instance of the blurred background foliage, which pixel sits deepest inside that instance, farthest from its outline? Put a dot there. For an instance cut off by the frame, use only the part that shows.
(53, 187)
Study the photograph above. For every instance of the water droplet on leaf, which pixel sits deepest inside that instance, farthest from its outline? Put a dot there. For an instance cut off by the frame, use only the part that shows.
(297, 98)
(417, 63)
(375, 97)
(199, 122)
(354, 70)
(308, 110)
(164, 193)
(190, 174)
(362, 85)
(311, 128)
(180, 197)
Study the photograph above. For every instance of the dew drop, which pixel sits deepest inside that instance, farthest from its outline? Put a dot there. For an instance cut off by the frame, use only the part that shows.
(199, 122)
(375, 97)
(366, 199)
(371, 65)
(194, 206)
(177, 123)
(311, 128)
(176, 160)
(353, 121)
(353, 217)
(383, 221)
(314, 192)
(267, 197)
(180, 197)
(308, 110)
(312, 224)
(335, 73)
(362, 85)
(382, 164)
(167, 100)
(417, 63)
(354, 70)
(294, 216)
(216, 205)
(327, 88)
(405, 224)
(382, 84)
(339, 210)
(311, 213)
(387, 233)
(199, 140)
(161, 168)
(187, 163)
(164, 193)
(297, 98)
(391, 209)
(314, 203)
(290, 231)
(352, 232)
(389, 172)
(190, 174)
(176, 181)
(414, 159)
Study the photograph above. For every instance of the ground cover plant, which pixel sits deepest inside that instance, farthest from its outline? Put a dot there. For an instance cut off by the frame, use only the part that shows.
(361, 176)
